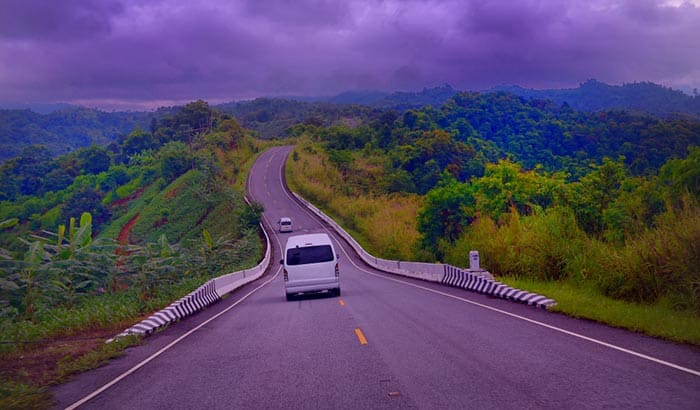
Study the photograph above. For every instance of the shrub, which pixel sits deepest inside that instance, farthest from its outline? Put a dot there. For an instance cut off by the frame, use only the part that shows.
(661, 262)
(541, 246)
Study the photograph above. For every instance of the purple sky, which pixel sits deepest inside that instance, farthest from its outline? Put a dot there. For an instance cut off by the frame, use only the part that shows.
(148, 53)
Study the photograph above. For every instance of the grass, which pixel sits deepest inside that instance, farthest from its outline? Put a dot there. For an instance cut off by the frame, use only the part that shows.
(549, 249)
(23, 396)
(58, 360)
(580, 301)
(383, 224)
(69, 366)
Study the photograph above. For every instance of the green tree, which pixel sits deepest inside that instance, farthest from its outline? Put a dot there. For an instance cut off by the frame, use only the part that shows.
(448, 209)
(174, 159)
(138, 140)
(595, 192)
(94, 159)
(86, 199)
(681, 175)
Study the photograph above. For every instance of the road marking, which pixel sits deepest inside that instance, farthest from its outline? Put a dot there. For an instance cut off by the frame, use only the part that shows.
(535, 322)
(163, 350)
(360, 336)
(341, 302)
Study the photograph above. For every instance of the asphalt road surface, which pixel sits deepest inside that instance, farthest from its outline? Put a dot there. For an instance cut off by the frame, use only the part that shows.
(386, 342)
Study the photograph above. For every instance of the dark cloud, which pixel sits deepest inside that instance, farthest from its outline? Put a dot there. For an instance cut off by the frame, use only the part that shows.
(136, 51)
(52, 21)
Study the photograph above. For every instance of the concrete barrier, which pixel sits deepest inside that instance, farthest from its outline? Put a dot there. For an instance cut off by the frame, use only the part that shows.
(480, 280)
(210, 292)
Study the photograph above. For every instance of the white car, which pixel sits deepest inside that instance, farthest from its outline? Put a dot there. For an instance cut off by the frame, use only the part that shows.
(310, 265)
(285, 224)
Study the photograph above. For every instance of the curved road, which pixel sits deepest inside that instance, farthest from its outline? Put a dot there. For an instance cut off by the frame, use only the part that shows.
(387, 342)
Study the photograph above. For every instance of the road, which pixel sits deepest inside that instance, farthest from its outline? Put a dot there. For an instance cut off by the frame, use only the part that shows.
(387, 342)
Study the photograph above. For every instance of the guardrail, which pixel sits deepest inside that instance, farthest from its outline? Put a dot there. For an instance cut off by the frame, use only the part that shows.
(210, 292)
(480, 281)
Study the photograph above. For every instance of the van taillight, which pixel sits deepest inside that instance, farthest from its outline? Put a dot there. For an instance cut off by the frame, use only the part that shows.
(286, 276)
(337, 271)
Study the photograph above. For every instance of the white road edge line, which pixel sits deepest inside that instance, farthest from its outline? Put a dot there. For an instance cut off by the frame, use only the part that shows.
(557, 329)
(171, 344)
(179, 339)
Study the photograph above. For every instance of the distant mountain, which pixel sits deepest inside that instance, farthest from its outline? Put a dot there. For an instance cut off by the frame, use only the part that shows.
(64, 130)
(271, 117)
(37, 107)
(400, 100)
(597, 96)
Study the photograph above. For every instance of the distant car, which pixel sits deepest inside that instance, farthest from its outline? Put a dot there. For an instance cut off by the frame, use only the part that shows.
(310, 265)
(285, 224)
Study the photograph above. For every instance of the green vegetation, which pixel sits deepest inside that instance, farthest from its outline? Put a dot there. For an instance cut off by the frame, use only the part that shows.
(578, 300)
(606, 202)
(63, 130)
(594, 95)
(93, 241)
(597, 210)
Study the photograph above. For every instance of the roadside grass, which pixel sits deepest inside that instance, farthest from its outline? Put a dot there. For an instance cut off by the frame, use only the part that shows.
(69, 365)
(113, 312)
(557, 259)
(580, 301)
(30, 391)
(21, 396)
(383, 224)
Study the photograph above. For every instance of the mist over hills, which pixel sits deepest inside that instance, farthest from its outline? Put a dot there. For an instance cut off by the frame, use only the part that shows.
(63, 128)
(592, 95)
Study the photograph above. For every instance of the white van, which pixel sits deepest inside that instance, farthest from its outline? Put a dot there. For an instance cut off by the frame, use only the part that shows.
(285, 224)
(310, 265)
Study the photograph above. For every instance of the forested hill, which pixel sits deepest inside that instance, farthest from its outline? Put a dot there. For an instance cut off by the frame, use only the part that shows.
(271, 117)
(400, 100)
(64, 130)
(541, 133)
(68, 129)
(594, 95)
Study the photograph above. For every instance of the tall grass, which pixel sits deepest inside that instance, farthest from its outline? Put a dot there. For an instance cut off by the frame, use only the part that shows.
(661, 263)
(545, 246)
(383, 224)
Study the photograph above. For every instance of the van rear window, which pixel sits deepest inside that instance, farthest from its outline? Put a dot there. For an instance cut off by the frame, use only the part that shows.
(309, 254)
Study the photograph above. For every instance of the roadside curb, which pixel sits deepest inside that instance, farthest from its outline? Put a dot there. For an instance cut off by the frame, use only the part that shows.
(464, 279)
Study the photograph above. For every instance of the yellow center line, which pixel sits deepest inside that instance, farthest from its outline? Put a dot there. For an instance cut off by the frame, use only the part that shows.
(341, 302)
(360, 336)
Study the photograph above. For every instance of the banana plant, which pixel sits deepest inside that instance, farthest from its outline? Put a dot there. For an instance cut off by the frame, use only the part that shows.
(153, 264)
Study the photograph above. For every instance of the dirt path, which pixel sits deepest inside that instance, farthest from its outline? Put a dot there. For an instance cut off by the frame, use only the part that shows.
(125, 232)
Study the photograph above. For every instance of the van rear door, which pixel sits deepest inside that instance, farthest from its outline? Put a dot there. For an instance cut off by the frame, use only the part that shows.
(309, 263)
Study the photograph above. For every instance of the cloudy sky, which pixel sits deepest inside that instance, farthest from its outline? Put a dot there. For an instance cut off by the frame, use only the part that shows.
(147, 53)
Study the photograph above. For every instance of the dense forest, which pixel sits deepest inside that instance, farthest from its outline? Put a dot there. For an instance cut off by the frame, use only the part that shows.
(68, 128)
(63, 130)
